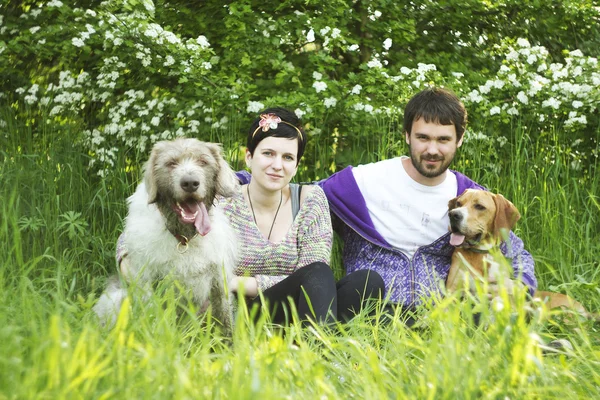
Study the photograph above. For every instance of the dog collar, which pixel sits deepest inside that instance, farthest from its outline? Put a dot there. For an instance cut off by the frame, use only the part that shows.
(477, 250)
(183, 241)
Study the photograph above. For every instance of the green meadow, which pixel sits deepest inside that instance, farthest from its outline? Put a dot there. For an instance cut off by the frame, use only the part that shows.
(58, 227)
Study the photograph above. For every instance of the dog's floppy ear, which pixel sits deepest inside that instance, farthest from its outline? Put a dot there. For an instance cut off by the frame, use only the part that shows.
(452, 203)
(149, 178)
(507, 215)
(226, 179)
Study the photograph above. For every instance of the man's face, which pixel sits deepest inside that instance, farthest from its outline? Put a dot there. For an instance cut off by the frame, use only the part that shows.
(432, 149)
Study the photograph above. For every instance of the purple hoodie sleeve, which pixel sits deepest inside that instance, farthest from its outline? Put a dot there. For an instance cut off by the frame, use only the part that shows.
(522, 261)
(347, 202)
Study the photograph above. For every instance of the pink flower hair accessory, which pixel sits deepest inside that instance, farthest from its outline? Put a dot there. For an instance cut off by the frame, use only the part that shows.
(268, 121)
(271, 121)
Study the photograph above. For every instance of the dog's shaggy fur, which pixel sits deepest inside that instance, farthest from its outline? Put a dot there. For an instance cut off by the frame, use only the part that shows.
(173, 229)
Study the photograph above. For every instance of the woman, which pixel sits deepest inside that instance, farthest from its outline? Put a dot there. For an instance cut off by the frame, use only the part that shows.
(285, 254)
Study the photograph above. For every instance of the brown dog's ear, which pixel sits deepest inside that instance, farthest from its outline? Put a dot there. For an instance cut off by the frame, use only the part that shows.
(226, 179)
(149, 178)
(507, 215)
(452, 203)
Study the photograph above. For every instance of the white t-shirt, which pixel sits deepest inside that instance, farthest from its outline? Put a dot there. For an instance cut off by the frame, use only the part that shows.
(407, 214)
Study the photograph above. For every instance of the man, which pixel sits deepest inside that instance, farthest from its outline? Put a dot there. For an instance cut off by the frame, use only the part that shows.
(392, 215)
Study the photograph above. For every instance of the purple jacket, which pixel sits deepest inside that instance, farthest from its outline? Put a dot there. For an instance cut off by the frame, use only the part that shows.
(408, 281)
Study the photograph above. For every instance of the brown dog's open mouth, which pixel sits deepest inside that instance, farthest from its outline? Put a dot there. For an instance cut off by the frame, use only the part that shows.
(193, 212)
(458, 239)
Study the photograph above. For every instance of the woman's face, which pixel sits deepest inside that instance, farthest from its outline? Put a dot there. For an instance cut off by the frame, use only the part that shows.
(274, 163)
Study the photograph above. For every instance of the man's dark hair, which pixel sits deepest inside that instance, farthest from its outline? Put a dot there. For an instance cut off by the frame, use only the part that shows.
(283, 130)
(439, 106)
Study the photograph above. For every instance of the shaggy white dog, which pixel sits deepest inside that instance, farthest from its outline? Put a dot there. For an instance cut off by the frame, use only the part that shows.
(173, 229)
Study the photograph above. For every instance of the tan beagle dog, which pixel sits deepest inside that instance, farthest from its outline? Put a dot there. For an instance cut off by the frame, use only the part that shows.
(478, 221)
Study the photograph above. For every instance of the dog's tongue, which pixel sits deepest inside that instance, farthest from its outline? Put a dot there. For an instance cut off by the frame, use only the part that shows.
(456, 239)
(202, 222)
(193, 212)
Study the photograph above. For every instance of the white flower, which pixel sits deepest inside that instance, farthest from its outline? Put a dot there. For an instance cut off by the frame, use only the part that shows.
(512, 111)
(202, 41)
(34, 29)
(91, 13)
(387, 43)
(55, 3)
(494, 110)
(317, 76)
(531, 59)
(551, 102)
(458, 74)
(254, 106)
(155, 121)
(299, 113)
(512, 56)
(324, 31)
(356, 89)
(206, 65)
(522, 97)
(319, 86)
(375, 63)
(368, 108)
(577, 104)
(576, 53)
(330, 102)
(335, 33)
(353, 47)
(375, 15)
(523, 42)
(310, 36)
(77, 42)
(475, 96)
(573, 120)
(169, 61)
(359, 106)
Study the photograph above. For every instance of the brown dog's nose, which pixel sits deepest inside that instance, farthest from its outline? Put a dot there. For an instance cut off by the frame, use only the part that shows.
(455, 217)
(189, 184)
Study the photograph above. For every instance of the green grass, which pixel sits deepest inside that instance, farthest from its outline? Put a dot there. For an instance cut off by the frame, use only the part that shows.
(59, 223)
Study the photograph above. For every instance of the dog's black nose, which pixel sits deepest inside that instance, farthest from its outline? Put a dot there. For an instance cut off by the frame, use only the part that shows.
(189, 184)
(455, 216)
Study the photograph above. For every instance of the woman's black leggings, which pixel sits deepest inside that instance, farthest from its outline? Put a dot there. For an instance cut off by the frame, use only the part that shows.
(315, 295)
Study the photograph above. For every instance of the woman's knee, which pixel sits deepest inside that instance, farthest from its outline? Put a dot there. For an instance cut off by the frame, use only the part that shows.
(318, 270)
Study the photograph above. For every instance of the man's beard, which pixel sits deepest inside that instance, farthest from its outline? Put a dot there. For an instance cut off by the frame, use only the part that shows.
(430, 172)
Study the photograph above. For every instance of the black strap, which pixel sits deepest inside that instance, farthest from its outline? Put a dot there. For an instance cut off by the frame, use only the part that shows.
(295, 193)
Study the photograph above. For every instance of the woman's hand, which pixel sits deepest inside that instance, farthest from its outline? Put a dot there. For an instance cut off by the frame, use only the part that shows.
(249, 285)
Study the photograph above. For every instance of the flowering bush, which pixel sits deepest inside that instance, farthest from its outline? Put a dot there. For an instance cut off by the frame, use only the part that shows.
(130, 74)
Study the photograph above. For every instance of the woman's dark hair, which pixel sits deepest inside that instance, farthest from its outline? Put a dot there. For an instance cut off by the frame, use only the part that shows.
(436, 105)
(292, 131)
